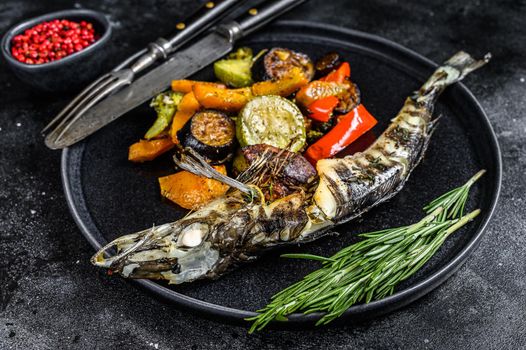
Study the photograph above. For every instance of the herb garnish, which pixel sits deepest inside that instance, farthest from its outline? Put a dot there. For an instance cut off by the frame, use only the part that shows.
(370, 269)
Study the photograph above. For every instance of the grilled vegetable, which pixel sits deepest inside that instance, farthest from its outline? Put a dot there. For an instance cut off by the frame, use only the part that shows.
(350, 126)
(271, 120)
(232, 100)
(228, 100)
(279, 62)
(146, 150)
(211, 134)
(284, 86)
(187, 108)
(349, 100)
(346, 92)
(340, 74)
(235, 69)
(186, 86)
(239, 164)
(321, 110)
(165, 104)
(327, 64)
(191, 191)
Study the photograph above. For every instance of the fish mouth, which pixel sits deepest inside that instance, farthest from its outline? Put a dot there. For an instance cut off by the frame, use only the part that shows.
(166, 252)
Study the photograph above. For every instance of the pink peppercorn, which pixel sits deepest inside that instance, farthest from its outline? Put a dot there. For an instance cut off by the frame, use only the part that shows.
(51, 41)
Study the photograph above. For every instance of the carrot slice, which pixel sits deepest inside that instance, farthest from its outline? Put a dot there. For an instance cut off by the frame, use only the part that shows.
(186, 86)
(186, 109)
(228, 100)
(146, 150)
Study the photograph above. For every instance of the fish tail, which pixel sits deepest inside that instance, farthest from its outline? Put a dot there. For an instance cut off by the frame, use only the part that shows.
(452, 71)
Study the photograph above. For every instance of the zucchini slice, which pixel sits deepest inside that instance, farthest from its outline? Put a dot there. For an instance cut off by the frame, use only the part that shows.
(210, 133)
(271, 120)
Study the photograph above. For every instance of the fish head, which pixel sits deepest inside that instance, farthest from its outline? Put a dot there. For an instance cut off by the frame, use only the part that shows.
(173, 252)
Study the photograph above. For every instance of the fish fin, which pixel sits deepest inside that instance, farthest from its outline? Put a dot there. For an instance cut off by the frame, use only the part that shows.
(453, 70)
(189, 160)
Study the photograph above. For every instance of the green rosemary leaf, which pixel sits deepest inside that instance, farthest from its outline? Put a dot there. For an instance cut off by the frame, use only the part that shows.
(370, 269)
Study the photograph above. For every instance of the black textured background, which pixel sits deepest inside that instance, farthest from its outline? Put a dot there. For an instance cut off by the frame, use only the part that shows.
(52, 298)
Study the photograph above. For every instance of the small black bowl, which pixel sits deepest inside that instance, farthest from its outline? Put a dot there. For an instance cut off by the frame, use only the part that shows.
(70, 72)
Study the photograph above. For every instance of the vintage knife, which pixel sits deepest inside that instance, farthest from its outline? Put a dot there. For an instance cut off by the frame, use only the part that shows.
(182, 64)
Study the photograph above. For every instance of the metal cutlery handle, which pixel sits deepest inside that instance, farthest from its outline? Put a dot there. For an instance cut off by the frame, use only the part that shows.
(209, 14)
(257, 18)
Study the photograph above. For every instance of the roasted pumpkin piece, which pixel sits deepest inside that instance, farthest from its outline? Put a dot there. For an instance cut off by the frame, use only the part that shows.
(192, 191)
(187, 108)
(146, 150)
(227, 100)
(281, 87)
(186, 86)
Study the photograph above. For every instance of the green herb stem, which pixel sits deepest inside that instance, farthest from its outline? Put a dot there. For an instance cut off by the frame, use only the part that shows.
(370, 269)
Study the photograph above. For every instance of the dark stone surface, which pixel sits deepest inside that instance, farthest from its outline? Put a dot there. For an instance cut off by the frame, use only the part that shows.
(51, 297)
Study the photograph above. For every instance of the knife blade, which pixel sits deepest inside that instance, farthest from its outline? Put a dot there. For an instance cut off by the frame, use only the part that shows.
(182, 64)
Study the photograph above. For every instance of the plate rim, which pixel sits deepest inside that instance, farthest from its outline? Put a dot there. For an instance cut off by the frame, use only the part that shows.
(363, 311)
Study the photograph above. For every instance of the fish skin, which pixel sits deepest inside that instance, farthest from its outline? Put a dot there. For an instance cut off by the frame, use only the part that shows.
(235, 229)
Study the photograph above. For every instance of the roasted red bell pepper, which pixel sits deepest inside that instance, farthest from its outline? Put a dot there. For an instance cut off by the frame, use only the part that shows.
(350, 126)
(321, 110)
(339, 74)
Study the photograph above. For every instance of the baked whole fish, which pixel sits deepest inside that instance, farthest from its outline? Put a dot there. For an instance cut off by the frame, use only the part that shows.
(237, 227)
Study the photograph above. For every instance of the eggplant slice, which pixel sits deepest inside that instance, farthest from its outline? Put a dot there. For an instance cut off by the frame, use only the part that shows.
(278, 63)
(210, 133)
(327, 64)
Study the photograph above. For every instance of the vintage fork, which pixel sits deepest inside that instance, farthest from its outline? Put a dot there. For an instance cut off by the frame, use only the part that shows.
(124, 73)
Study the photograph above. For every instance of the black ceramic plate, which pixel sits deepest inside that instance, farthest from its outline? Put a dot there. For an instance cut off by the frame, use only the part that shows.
(109, 196)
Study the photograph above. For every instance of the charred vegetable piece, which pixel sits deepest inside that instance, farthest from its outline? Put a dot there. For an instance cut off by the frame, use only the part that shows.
(279, 62)
(186, 86)
(287, 171)
(284, 86)
(346, 92)
(187, 108)
(239, 164)
(146, 150)
(321, 110)
(340, 74)
(271, 120)
(349, 100)
(165, 104)
(211, 134)
(228, 100)
(318, 89)
(235, 69)
(191, 191)
(349, 128)
(327, 64)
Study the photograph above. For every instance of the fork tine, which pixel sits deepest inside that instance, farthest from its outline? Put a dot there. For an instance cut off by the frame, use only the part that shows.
(93, 93)
(74, 102)
(102, 94)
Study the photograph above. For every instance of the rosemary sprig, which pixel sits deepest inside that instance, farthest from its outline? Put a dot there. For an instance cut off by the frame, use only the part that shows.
(370, 269)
